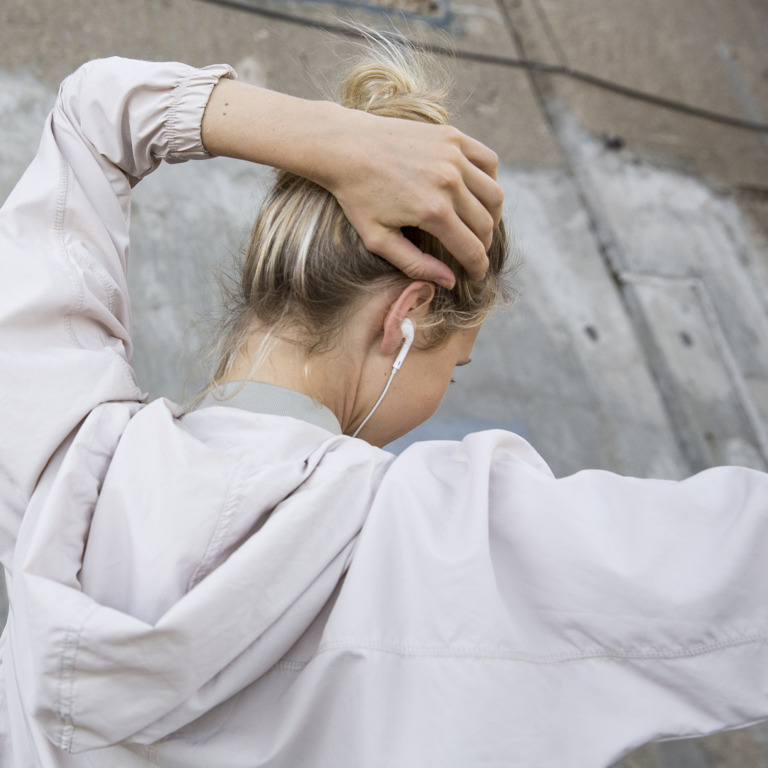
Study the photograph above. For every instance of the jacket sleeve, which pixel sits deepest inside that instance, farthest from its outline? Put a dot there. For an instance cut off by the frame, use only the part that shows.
(562, 621)
(65, 322)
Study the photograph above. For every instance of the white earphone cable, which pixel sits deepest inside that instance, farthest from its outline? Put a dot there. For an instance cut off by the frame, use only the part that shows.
(408, 334)
(378, 402)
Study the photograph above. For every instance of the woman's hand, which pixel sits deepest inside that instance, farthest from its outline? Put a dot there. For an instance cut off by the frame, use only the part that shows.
(385, 172)
(403, 173)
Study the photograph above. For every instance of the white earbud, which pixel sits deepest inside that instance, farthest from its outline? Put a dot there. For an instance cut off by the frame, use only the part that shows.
(408, 334)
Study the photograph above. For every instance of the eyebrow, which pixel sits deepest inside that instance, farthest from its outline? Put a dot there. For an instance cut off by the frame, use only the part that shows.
(465, 362)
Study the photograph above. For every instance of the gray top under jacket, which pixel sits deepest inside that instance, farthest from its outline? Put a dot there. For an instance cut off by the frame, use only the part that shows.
(258, 397)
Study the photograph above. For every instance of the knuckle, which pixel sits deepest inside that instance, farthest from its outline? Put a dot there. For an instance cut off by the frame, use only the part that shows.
(448, 177)
(496, 197)
(436, 209)
(376, 242)
(451, 134)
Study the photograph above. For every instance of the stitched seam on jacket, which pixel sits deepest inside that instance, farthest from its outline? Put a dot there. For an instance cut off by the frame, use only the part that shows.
(231, 502)
(77, 284)
(98, 273)
(287, 665)
(58, 228)
(503, 653)
(67, 680)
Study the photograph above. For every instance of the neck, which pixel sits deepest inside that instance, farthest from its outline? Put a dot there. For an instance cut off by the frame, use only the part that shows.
(348, 379)
(328, 378)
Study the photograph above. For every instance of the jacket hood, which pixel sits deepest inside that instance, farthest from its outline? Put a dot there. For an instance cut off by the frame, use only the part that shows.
(158, 628)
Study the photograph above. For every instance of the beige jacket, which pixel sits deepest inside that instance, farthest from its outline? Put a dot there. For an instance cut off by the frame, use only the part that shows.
(229, 588)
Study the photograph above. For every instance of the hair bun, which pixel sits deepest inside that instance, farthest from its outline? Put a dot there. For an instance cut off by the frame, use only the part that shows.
(395, 79)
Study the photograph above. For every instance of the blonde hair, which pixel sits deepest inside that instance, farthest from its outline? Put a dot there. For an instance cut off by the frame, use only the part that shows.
(305, 267)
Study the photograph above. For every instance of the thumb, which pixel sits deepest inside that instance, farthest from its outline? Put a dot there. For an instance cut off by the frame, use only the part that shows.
(396, 248)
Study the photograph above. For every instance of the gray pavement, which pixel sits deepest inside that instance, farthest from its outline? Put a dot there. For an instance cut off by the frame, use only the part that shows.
(639, 342)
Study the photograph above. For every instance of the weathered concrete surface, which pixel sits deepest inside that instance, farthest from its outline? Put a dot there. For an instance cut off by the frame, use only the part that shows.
(50, 39)
(639, 343)
(694, 283)
(705, 53)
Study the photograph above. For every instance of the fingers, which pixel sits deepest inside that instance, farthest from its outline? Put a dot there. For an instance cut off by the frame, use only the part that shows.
(393, 246)
(460, 207)
(479, 155)
(409, 174)
(477, 203)
(462, 241)
(486, 191)
(466, 202)
(464, 208)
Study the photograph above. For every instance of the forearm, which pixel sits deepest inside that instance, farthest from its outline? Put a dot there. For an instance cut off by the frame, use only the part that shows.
(387, 173)
(251, 123)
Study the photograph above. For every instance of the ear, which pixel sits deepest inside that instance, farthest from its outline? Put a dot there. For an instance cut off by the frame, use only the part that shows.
(413, 301)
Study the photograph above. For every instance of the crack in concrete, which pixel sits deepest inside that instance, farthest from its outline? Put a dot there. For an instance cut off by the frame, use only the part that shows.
(616, 261)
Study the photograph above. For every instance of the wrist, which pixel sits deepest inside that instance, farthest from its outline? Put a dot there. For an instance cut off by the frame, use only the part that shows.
(322, 142)
(308, 138)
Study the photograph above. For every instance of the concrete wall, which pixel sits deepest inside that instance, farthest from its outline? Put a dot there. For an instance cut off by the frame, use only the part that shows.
(639, 342)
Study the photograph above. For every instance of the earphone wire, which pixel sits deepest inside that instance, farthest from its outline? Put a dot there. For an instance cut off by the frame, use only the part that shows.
(378, 402)
(408, 334)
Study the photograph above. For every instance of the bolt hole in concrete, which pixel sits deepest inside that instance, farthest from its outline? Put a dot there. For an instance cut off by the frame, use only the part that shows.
(614, 143)
(686, 339)
(591, 331)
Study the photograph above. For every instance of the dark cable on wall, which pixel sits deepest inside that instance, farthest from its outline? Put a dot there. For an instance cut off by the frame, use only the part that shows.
(531, 66)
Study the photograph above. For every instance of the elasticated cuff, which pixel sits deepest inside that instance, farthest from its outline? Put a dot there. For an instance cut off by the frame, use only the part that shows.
(185, 114)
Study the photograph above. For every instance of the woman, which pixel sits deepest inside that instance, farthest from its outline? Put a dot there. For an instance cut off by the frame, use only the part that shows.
(247, 584)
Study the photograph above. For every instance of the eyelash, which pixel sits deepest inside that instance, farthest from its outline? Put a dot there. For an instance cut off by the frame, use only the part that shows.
(453, 381)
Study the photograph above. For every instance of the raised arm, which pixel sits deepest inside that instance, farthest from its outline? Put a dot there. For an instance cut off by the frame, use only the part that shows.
(65, 344)
(386, 173)
(65, 341)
